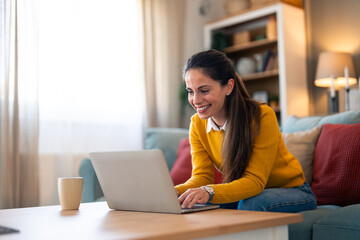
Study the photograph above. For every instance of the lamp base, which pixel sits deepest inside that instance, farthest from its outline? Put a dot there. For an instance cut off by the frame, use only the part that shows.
(333, 102)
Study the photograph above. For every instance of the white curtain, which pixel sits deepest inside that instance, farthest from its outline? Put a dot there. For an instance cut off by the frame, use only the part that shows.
(163, 24)
(91, 95)
(19, 104)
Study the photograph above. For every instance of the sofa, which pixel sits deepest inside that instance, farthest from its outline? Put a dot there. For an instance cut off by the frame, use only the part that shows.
(328, 148)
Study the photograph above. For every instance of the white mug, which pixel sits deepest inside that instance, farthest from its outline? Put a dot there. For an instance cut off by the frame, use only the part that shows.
(70, 192)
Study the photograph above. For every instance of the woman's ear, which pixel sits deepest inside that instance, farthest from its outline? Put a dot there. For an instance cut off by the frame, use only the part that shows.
(230, 86)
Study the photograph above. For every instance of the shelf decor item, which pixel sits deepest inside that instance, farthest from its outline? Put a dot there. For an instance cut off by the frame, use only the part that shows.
(261, 96)
(271, 29)
(259, 58)
(220, 41)
(241, 37)
(245, 65)
(235, 6)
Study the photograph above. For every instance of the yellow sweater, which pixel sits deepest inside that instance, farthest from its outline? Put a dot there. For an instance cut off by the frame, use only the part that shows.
(270, 164)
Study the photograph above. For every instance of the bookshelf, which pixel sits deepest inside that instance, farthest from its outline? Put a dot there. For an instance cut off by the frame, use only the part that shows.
(272, 38)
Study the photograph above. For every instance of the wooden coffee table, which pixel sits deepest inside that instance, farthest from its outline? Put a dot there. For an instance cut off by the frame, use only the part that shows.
(97, 221)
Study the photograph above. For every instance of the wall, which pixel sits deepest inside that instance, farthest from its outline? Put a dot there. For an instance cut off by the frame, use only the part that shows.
(194, 23)
(194, 37)
(332, 25)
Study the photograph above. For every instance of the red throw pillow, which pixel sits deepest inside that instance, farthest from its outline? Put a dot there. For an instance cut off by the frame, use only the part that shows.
(181, 170)
(336, 178)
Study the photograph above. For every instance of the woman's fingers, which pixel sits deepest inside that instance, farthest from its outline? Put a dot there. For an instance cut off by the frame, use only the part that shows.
(183, 196)
(190, 200)
(193, 196)
(177, 192)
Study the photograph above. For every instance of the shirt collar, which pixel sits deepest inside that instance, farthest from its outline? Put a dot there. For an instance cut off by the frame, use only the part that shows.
(212, 125)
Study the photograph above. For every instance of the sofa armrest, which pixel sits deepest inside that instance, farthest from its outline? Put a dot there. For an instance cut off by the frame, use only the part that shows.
(167, 140)
(91, 188)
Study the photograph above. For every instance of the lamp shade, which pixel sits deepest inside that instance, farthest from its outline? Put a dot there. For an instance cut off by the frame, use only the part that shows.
(332, 64)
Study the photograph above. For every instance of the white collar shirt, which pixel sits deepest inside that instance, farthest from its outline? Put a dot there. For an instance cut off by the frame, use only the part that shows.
(212, 125)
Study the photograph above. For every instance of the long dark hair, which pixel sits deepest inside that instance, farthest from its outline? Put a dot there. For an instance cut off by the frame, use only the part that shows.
(243, 113)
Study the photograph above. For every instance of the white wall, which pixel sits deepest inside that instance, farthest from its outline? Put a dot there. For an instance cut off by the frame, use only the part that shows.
(194, 23)
(194, 33)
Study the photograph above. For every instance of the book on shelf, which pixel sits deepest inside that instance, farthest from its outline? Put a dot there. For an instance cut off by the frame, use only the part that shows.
(270, 60)
(273, 61)
(267, 56)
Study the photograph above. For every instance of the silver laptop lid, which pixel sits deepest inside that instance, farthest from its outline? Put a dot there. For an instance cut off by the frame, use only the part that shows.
(136, 181)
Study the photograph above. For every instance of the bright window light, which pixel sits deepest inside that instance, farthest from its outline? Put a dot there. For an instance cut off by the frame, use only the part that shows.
(89, 87)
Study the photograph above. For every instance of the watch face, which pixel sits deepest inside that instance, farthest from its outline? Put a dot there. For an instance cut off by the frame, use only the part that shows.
(210, 190)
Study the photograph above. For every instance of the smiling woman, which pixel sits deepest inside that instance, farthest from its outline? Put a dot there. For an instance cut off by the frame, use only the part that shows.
(90, 94)
(241, 137)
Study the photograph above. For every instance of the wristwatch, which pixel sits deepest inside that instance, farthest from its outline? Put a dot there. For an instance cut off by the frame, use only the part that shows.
(210, 191)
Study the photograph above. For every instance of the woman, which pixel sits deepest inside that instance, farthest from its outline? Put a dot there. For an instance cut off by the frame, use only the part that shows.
(242, 139)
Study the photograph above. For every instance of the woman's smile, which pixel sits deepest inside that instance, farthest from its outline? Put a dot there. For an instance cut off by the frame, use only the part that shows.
(203, 109)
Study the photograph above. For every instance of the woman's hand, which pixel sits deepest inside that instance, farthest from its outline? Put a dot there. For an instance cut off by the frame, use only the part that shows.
(192, 196)
(177, 192)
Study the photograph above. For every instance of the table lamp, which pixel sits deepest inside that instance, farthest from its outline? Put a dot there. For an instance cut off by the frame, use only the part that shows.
(335, 70)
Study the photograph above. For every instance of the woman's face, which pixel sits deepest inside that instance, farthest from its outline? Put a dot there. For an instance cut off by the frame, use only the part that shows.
(207, 96)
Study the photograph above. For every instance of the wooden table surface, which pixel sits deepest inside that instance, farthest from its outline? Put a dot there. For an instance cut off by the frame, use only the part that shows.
(97, 221)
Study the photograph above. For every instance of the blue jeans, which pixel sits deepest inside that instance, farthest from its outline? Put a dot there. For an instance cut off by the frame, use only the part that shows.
(289, 200)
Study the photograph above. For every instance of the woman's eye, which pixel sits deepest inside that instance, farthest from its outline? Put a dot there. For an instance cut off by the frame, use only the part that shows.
(190, 92)
(204, 91)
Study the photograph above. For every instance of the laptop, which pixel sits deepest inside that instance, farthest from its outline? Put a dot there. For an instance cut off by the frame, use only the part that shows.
(138, 181)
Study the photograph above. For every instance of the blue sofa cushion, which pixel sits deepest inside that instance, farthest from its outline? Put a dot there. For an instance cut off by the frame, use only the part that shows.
(304, 230)
(167, 140)
(295, 124)
(343, 223)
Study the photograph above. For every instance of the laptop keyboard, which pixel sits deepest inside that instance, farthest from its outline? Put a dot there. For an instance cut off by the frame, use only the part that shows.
(196, 206)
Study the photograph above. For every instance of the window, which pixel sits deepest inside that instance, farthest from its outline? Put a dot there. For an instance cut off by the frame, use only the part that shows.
(90, 93)
(89, 90)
